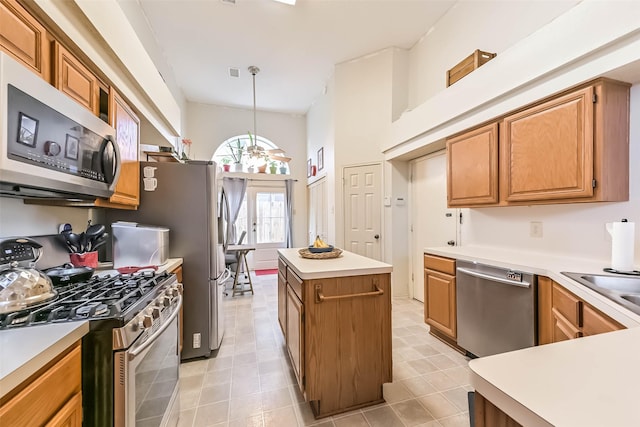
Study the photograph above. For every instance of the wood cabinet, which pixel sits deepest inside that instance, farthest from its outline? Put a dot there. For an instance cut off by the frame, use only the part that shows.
(51, 397)
(73, 78)
(24, 38)
(338, 336)
(440, 297)
(562, 315)
(472, 167)
(486, 414)
(571, 147)
(282, 295)
(127, 126)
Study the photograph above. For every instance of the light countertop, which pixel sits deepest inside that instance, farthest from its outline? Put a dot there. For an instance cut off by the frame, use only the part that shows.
(23, 351)
(348, 264)
(544, 264)
(591, 381)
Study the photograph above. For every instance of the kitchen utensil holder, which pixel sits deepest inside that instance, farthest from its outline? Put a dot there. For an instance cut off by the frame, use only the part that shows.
(86, 259)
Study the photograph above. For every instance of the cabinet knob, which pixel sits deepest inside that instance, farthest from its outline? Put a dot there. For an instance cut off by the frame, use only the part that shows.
(451, 243)
(377, 236)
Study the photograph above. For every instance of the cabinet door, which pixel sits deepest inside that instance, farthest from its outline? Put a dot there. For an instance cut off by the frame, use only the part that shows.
(73, 78)
(596, 322)
(127, 126)
(282, 302)
(440, 302)
(295, 335)
(70, 415)
(547, 150)
(22, 37)
(472, 167)
(562, 328)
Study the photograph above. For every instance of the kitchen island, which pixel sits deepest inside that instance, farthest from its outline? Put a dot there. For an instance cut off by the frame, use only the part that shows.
(336, 318)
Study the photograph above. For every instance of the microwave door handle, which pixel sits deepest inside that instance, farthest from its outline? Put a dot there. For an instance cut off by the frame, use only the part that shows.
(152, 338)
(110, 161)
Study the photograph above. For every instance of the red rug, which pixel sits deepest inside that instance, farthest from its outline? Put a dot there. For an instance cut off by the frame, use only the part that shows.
(266, 272)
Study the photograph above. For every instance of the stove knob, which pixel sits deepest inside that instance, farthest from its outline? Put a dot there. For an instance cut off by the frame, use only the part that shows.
(147, 321)
(155, 312)
(166, 301)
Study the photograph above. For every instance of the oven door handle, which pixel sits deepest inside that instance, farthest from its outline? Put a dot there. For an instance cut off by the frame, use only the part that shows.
(151, 339)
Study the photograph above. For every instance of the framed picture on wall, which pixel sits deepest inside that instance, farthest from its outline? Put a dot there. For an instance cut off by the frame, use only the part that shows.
(308, 168)
(321, 158)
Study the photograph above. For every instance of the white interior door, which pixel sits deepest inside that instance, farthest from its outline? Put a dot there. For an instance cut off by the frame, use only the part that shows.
(433, 224)
(362, 205)
(317, 210)
(262, 215)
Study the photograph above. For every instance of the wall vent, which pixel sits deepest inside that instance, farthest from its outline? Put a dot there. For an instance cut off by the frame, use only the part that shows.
(234, 72)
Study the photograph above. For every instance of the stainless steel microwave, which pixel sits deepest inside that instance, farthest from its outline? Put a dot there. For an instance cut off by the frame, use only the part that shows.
(50, 146)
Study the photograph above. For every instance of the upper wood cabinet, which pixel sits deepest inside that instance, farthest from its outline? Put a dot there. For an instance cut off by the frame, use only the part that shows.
(472, 167)
(127, 126)
(563, 315)
(73, 78)
(547, 150)
(572, 147)
(24, 38)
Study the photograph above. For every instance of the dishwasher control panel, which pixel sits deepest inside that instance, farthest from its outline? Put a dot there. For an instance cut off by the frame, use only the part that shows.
(514, 275)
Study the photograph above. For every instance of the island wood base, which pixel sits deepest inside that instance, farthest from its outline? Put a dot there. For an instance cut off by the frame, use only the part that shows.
(338, 336)
(488, 415)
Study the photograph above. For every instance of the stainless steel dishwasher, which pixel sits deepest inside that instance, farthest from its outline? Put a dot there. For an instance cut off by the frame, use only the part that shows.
(496, 309)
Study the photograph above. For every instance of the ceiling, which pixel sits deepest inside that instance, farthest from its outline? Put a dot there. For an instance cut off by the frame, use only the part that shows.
(295, 47)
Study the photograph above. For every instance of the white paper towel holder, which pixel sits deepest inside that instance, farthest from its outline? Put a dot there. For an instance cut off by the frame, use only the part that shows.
(628, 272)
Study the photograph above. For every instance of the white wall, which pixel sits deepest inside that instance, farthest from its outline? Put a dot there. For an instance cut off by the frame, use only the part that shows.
(18, 219)
(208, 126)
(491, 26)
(574, 230)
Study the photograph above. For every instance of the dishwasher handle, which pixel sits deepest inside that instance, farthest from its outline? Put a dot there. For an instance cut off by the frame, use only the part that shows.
(493, 278)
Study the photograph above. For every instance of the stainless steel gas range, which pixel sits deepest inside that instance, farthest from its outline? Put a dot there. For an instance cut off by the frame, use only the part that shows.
(130, 357)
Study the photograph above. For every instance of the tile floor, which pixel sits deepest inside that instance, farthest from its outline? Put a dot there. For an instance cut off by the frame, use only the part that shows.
(249, 382)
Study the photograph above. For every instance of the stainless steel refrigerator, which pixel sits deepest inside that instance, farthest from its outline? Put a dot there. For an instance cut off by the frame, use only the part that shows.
(186, 199)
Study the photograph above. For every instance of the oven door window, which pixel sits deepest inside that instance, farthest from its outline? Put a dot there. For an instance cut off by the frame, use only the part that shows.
(152, 379)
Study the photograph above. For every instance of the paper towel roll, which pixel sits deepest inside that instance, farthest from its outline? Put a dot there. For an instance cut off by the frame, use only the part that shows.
(622, 245)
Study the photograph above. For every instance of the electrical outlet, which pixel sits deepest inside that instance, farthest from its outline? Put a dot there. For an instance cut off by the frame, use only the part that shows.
(196, 340)
(535, 229)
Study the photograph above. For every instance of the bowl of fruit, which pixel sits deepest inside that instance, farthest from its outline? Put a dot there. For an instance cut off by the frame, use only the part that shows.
(319, 246)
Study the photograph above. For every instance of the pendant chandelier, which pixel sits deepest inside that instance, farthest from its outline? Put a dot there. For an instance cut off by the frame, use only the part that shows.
(254, 150)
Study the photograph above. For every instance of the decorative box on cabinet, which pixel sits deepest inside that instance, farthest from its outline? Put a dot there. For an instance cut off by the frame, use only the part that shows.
(53, 397)
(440, 297)
(24, 38)
(562, 315)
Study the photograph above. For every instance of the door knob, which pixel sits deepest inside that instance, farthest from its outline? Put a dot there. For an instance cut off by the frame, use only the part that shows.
(451, 243)
(377, 236)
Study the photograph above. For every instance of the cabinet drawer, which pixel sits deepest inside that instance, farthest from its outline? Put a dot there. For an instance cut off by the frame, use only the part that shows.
(295, 282)
(444, 265)
(282, 268)
(39, 401)
(568, 305)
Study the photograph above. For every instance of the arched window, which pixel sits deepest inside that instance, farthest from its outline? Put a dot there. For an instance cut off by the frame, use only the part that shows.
(243, 154)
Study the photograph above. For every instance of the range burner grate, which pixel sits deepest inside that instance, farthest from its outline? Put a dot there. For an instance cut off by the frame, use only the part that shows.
(111, 296)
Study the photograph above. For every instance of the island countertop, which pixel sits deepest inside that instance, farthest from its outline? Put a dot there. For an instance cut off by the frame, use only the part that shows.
(348, 264)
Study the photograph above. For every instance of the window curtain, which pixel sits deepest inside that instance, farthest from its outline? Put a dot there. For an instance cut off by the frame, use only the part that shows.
(234, 190)
(288, 187)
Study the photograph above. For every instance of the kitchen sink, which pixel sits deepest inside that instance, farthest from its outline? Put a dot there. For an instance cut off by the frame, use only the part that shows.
(623, 290)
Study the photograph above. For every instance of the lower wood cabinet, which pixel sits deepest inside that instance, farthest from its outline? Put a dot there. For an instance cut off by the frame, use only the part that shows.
(563, 315)
(486, 414)
(282, 299)
(52, 397)
(440, 297)
(338, 336)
